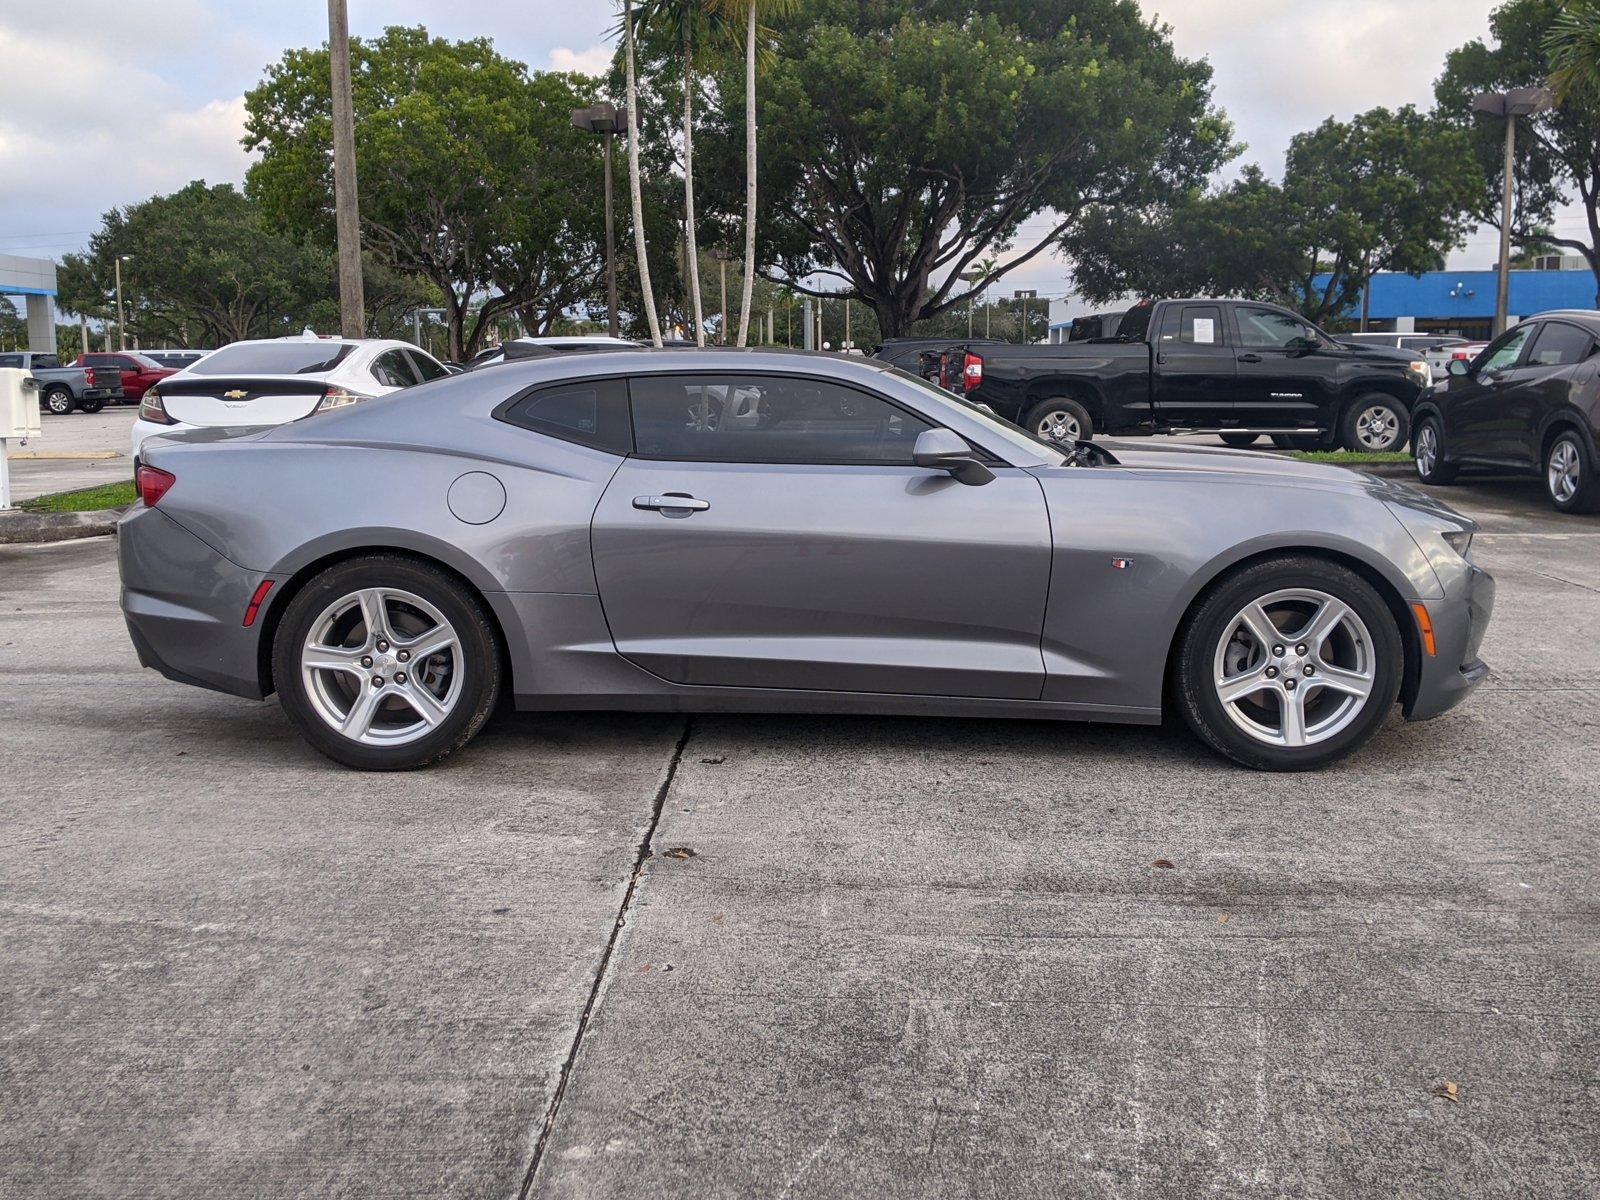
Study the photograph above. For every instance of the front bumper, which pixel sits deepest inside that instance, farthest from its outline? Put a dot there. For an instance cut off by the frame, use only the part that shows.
(1460, 620)
(185, 605)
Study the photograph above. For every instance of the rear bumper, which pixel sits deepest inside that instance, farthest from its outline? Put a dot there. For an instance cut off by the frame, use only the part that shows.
(1459, 623)
(184, 604)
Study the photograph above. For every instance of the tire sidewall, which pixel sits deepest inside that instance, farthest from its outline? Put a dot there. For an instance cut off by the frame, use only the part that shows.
(1039, 411)
(58, 393)
(1585, 498)
(1196, 694)
(91, 406)
(1442, 472)
(1347, 427)
(480, 659)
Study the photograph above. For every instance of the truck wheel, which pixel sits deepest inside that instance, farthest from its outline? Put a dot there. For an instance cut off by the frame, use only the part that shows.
(1059, 420)
(57, 400)
(1239, 441)
(1375, 423)
(91, 406)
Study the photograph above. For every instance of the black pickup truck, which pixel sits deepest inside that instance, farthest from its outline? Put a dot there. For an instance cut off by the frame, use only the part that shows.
(1237, 368)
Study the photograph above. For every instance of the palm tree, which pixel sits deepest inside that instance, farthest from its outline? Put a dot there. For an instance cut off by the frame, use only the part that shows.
(633, 178)
(746, 12)
(1573, 46)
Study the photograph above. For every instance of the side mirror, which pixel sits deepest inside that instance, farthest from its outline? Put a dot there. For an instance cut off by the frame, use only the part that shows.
(1458, 366)
(945, 450)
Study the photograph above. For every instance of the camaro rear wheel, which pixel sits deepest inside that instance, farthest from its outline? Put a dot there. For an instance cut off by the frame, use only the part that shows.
(1569, 475)
(386, 663)
(1289, 664)
(1060, 420)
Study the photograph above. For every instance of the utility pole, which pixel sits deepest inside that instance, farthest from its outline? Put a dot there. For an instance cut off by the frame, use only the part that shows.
(1025, 296)
(346, 210)
(1518, 102)
(848, 342)
(606, 120)
(122, 328)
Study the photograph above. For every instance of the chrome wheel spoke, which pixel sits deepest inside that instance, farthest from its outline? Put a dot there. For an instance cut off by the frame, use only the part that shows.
(375, 613)
(332, 658)
(1236, 687)
(1353, 683)
(423, 702)
(1255, 619)
(1293, 726)
(358, 721)
(437, 640)
(1323, 622)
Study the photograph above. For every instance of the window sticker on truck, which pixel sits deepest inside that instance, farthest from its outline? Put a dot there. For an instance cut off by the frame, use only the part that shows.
(1204, 331)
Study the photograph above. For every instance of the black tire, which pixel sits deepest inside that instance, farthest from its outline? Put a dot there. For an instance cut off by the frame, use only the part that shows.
(1427, 453)
(1584, 493)
(91, 406)
(1056, 412)
(57, 400)
(1240, 441)
(480, 660)
(1208, 621)
(1387, 430)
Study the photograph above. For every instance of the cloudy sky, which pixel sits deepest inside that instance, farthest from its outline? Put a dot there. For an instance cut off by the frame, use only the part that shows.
(105, 102)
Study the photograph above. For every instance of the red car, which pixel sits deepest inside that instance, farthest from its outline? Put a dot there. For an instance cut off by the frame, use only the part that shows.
(138, 372)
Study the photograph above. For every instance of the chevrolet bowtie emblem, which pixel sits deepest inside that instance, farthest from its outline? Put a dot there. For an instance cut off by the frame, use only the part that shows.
(236, 394)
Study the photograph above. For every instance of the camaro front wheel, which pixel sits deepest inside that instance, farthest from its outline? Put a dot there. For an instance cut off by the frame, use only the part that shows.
(1288, 664)
(386, 663)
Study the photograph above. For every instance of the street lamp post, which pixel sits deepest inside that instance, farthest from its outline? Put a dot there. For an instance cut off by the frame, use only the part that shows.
(1025, 296)
(1518, 102)
(122, 328)
(606, 120)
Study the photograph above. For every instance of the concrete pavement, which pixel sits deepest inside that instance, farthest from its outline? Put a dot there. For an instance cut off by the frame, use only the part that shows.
(76, 434)
(856, 957)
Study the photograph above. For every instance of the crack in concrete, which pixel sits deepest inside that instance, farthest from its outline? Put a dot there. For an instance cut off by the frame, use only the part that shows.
(640, 858)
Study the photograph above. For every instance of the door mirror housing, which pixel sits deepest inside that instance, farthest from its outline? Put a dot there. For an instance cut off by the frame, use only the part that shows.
(945, 450)
(1458, 366)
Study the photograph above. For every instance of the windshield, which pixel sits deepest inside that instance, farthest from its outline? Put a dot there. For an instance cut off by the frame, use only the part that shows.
(273, 358)
(1004, 431)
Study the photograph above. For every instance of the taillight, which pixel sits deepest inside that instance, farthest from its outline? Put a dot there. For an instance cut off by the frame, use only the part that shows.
(1460, 354)
(971, 372)
(152, 409)
(337, 397)
(153, 484)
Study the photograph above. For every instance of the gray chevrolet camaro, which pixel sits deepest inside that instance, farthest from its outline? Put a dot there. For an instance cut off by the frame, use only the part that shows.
(775, 532)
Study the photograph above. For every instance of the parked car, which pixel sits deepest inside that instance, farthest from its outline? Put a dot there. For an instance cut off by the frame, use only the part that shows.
(1232, 367)
(540, 347)
(693, 530)
(1435, 348)
(176, 359)
(62, 389)
(1530, 402)
(138, 371)
(921, 356)
(1094, 325)
(273, 380)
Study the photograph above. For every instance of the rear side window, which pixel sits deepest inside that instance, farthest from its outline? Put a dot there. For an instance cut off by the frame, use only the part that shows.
(592, 412)
(768, 419)
(1559, 345)
(392, 370)
(1192, 325)
(425, 366)
(12, 360)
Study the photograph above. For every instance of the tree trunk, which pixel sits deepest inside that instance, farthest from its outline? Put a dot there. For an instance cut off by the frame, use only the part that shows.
(749, 171)
(691, 240)
(637, 196)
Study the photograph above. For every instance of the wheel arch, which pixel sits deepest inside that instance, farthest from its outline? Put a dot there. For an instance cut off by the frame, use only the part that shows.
(293, 576)
(1380, 580)
(1067, 387)
(1561, 422)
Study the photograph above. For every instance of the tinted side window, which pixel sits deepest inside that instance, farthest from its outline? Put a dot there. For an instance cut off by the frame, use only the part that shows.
(12, 360)
(1559, 345)
(97, 360)
(767, 418)
(425, 367)
(593, 412)
(1192, 325)
(1269, 329)
(47, 361)
(390, 369)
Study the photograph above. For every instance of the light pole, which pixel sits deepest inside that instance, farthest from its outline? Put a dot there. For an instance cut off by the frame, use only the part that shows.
(1025, 296)
(1518, 102)
(721, 256)
(122, 328)
(970, 277)
(605, 119)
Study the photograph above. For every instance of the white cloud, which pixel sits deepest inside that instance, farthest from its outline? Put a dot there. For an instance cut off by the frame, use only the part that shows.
(596, 60)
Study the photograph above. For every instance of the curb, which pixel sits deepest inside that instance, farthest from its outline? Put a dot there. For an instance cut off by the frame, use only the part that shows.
(18, 526)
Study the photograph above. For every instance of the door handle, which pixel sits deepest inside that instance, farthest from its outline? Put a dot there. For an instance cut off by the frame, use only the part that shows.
(672, 503)
(1249, 358)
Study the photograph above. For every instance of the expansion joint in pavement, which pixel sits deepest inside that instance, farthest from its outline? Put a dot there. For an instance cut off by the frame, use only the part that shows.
(639, 860)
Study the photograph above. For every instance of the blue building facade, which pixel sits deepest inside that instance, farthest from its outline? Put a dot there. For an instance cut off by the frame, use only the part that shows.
(1462, 302)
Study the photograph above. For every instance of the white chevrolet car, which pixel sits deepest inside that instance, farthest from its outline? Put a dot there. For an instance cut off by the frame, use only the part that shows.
(276, 380)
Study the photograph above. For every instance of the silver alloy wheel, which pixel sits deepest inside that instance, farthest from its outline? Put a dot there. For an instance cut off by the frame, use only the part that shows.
(58, 401)
(1563, 471)
(1059, 425)
(1427, 455)
(1378, 428)
(382, 666)
(1294, 667)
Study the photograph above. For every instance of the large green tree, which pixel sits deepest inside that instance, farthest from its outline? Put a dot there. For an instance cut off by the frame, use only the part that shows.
(468, 168)
(1384, 191)
(1558, 151)
(905, 140)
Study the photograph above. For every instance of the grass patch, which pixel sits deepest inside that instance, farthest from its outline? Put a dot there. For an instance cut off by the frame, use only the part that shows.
(95, 499)
(1352, 458)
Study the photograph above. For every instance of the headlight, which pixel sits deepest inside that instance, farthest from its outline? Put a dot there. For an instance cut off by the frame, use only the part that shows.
(152, 409)
(1421, 369)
